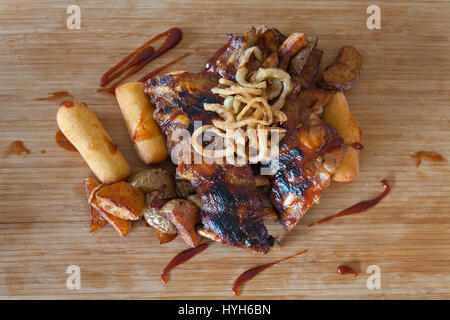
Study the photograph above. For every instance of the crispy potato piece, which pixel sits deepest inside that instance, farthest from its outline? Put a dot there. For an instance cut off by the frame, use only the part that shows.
(299, 60)
(184, 215)
(82, 128)
(272, 61)
(121, 200)
(150, 180)
(183, 188)
(269, 39)
(310, 70)
(154, 216)
(137, 111)
(343, 73)
(290, 47)
(97, 221)
(316, 98)
(337, 114)
(165, 237)
(251, 37)
(121, 226)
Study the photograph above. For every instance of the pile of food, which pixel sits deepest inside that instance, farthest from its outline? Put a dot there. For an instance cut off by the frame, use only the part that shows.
(264, 90)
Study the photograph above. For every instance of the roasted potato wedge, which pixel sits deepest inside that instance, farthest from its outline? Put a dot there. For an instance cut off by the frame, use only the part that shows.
(343, 73)
(184, 215)
(154, 217)
(150, 180)
(97, 221)
(290, 47)
(121, 226)
(183, 188)
(299, 60)
(310, 70)
(269, 38)
(272, 61)
(165, 237)
(337, 113)
(121, 200)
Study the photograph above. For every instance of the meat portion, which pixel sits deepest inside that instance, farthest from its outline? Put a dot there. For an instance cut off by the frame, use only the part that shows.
(309, 154)
(232, 209)
(226, 60)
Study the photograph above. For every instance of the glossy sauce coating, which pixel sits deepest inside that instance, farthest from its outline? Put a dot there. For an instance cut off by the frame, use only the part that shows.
(181, 258)
(157, 203)
(357, 146)
(360, 206)
(16, 148)
(139, 58)
(342, 269)
(63, 142)
(428, 155)
(54, 96)
(251, 273)
(112, 146)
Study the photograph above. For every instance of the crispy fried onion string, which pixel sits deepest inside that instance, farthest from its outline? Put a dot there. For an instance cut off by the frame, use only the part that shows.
(247, 117)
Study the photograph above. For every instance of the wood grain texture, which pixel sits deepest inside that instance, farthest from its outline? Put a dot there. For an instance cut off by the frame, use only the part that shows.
(401, 104)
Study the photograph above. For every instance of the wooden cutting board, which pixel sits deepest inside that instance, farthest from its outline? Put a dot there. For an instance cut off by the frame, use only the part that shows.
(401, 104)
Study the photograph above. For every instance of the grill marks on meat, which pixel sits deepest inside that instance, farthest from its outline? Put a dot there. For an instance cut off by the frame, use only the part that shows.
(225, 61)
(309, 154)
(232, 209)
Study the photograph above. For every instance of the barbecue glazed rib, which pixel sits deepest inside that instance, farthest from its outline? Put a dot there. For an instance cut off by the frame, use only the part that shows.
(309, 154)
(311, 150)
(231, 207)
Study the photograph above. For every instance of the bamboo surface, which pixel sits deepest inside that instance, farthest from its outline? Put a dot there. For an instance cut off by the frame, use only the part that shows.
(401, 104)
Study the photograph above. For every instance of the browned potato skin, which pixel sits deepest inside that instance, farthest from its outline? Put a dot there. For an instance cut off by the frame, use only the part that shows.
(165, 237)
(298, 61)
(343, 73)
(310, 70)
(121, 200)
(290, 47)
(184, 215)
(121, 226)
(154, 217)
(150, 180)
(337, 113)
(97, 221)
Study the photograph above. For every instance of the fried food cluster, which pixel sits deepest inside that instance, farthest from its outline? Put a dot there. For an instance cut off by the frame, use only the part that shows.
(258, 84)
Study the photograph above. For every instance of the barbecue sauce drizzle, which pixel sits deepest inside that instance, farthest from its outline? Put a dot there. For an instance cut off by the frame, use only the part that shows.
(360, 206)
(16, 147)
(251, 273)
(54, 96)
(139, 58)
(357, 146)
(346, 270)
(181, 258)
(428, 155)
(63, 142)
